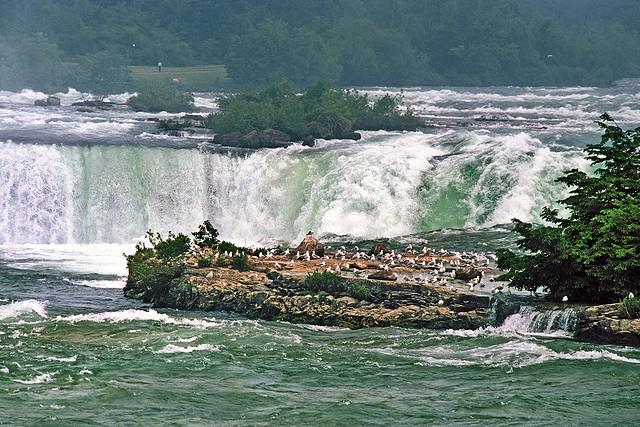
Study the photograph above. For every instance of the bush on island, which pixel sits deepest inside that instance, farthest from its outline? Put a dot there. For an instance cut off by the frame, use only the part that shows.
(592, 255)
(320, 112)
(629, 307)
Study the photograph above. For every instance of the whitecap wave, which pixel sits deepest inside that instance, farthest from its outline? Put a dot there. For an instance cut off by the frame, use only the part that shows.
(172, 348)
(133, 315)
(19, 309)
(38, 379)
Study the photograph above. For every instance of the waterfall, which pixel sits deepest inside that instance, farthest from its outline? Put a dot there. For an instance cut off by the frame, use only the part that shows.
(530, 320)
(392, 184)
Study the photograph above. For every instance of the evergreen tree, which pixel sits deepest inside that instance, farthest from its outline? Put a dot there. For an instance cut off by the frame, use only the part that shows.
(594, 253)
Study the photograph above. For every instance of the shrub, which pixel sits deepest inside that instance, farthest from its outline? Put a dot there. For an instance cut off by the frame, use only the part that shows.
(319, 112)
(225, 246)
(204, 262)
(160, 95)
(240, 262)
(206, 236)
(150, 276)
(221, 262)
(629, 308)
(359, 291)
(326, 281)
(172, 248)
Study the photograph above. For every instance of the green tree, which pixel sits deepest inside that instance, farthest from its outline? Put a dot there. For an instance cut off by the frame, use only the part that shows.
(594, 253)
(104, 72)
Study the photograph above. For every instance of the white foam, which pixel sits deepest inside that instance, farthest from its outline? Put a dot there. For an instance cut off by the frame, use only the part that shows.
(20, 308)
(132, 315)
(171, 348)
(39, 379)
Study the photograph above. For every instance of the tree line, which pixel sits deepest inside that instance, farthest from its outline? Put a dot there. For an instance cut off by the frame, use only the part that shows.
(47, 45)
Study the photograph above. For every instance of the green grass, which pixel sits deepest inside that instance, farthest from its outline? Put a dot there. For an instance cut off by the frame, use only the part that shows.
(202, 78)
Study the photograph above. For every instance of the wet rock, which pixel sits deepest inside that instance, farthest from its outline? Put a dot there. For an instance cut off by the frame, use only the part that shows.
(49, 102)
(601, 324)
(378, 248)
(386, 275)
(467, 273)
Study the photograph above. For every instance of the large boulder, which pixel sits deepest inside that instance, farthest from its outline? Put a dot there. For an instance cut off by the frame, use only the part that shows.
(310, 244)
(49, 102)
(467, 273)
(378, 248)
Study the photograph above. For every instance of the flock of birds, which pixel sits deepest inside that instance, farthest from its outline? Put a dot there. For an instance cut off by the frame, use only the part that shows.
(425, 266)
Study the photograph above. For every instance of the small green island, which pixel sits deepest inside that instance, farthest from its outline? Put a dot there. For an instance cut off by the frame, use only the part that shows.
(278, 116)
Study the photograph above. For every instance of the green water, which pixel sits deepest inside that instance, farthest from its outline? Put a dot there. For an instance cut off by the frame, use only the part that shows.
(83, 355)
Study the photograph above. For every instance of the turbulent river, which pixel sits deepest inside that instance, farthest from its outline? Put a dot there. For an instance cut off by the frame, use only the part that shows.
(79, 189)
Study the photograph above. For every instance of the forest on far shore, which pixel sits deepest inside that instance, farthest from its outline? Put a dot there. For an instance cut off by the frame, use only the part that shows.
(90, 44)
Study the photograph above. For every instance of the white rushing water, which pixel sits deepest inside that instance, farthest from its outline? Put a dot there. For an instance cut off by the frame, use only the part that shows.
(68, 176)
(386, 185)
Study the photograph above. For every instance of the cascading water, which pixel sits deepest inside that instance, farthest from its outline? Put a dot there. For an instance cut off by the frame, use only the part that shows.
(387, 185)
(530, 320)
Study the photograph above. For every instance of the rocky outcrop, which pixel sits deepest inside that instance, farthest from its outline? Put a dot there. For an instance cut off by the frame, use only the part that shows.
(387, 275)
(601, 324)
(268, 138)
(378, 248)
(271, 138)
(49, 102)
(311, 245)
(467, 273)
(272, 296)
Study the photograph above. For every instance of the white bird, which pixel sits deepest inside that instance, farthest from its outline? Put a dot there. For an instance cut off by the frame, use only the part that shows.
(631, 295)
(277, 266)
(565, 298)
(441, 302)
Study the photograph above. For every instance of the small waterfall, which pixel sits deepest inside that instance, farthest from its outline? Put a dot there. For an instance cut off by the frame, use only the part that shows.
(530, 320)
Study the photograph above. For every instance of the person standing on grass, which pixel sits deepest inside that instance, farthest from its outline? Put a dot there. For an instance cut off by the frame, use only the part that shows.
(159, 67)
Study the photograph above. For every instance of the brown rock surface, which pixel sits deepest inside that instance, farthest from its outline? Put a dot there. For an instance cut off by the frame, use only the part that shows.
(312, 245)
(601, 324)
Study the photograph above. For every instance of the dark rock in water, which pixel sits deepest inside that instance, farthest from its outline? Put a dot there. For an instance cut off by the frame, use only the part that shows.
(467, 273)
(268, 138)
(601, 324)
(503, 309)
(378, 248)
(52, 101)
(330, 125)
(101, 105)
(312, 245)
(387, 275)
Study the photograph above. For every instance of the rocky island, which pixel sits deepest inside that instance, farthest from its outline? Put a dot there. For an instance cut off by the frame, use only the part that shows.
(308, 284)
